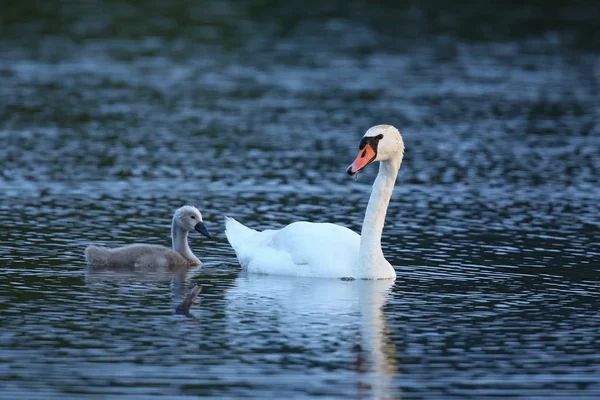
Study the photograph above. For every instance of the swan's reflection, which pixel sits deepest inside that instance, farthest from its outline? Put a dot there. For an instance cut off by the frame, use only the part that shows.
(178, 279)
(333, 317)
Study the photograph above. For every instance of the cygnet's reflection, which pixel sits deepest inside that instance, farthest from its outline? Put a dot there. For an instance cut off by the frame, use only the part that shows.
(178, 278)
(332, 316)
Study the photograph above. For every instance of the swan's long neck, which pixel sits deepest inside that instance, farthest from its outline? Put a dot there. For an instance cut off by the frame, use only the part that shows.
(180, 242)
(372, 264)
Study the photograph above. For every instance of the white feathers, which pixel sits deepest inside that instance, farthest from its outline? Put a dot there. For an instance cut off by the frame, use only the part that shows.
(300, 249)
(322, 249)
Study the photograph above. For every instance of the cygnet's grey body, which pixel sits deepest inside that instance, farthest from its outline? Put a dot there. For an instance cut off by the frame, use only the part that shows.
(153, 257)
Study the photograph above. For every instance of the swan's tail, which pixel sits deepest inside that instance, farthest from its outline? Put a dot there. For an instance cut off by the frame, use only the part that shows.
(237, 234)
(96, 257)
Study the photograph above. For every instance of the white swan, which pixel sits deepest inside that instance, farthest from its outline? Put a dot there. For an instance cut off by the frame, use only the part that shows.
(329, 250)
(151, 257)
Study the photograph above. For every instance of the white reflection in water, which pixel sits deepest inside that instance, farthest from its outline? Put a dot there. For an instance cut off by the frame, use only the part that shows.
(322, 315)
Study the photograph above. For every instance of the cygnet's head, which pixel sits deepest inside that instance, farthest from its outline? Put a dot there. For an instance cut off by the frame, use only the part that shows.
(190, 219)
(380, 143)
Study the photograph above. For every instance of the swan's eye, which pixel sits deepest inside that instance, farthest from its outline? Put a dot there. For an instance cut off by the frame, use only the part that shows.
(380, 136)
(193, 217)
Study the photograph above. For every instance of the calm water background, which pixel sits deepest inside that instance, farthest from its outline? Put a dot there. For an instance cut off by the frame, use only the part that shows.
(113, 114)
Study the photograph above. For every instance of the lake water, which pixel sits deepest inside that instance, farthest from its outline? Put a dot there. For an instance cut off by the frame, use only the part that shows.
(114, 114)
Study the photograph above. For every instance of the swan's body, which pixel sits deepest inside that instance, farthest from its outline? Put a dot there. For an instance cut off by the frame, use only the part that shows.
(136, 257)
(143, 257)
(323, 249)
(301, 248)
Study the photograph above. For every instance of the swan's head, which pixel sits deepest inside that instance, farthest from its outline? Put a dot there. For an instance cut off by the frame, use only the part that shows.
(380, 143)
(190, 219)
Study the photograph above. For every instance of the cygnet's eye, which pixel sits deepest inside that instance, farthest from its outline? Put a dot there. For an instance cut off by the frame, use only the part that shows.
(193, 217)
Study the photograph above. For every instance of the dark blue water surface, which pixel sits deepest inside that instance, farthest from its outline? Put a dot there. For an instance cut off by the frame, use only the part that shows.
(113, 114)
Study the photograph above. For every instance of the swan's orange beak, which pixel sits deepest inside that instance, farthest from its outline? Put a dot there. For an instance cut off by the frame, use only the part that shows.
(364, 158)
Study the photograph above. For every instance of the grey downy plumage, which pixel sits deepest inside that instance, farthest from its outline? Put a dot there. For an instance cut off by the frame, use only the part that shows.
(152, 257)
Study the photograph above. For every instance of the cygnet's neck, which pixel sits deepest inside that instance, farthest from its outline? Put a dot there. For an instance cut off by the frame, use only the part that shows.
(372, 264)
(180, 243)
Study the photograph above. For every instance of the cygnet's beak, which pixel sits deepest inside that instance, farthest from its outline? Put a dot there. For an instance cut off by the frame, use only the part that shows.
(199, 227)
(365, 156)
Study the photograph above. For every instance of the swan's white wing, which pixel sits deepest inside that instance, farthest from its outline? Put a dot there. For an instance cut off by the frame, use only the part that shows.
(301, 249)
